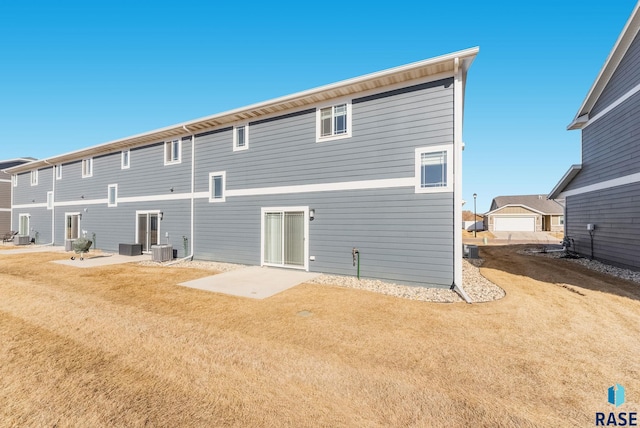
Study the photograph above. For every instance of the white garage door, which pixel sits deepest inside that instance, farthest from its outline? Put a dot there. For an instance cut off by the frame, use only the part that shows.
(515, 224)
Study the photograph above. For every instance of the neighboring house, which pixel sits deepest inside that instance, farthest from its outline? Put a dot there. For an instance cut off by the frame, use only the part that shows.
(525, 213)
(371, 163)
(604, 190)
(5, 192)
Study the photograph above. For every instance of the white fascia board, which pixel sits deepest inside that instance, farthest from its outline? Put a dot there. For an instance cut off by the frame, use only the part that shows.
(564, 181)
(465, 56)
(621, 46)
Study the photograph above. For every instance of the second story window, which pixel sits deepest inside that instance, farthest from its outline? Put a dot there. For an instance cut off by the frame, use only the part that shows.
(59, 171)
(172, 152)
(125, 159)
(240, 137)
(34, 177)
(333, 122)
(87, 167)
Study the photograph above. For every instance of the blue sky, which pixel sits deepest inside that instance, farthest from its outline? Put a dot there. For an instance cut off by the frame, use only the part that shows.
(76, 74)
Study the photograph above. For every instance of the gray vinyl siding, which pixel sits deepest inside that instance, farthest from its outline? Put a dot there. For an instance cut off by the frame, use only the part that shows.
(615, 212)
(610, 145)
(113, 226)
(624, 78)
(39, 223)
(284, 152)
(25, 193)
(402, 236)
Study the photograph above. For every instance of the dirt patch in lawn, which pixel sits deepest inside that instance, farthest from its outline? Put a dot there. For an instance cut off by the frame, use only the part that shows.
(124, 346)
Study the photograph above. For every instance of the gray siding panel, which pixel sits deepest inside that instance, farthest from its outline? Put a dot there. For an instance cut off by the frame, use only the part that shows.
(283, 152)
(25, 193)
(402, 236)
(616, 214)
(610, 145)
(624, 78)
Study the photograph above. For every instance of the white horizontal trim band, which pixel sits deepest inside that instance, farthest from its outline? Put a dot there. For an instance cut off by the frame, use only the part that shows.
(5, 210)
(23, 206)
(4, 180)
(385, 183)
(620, 181)
(325, 187)
(613, 105)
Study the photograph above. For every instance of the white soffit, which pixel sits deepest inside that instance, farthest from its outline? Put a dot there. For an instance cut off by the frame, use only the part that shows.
(409, 72)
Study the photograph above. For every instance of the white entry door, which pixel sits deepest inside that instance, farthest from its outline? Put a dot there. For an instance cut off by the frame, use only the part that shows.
(284, 237)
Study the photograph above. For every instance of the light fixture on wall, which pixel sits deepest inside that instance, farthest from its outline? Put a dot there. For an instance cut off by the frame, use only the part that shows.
(81, 196)
(312, 213)
(161, 215)
(171, 189)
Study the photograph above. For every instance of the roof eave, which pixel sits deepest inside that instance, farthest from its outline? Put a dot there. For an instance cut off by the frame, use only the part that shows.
(564, 181)
(625, 39)
(413, 71)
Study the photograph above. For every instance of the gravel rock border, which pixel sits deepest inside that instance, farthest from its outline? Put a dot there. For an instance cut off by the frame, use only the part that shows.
(478, 288)
(595, 265)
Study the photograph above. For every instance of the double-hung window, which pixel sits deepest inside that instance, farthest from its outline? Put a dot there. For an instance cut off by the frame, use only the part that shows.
(217, 186)
(112, 195)
(34, 177)
(333, 122)
(172, 152)
(433, 169)
(87, 167)
(240, 137)
(14, 180)
(50, 200)
(59, 171)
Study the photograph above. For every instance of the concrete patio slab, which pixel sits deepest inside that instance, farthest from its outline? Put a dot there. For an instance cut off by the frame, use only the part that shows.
(255, 281)
(102, 259)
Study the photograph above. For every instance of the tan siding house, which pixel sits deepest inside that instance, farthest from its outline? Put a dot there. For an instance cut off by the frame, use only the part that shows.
(525, 213)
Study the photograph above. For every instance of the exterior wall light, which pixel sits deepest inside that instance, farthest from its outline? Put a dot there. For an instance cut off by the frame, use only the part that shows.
(312, 214)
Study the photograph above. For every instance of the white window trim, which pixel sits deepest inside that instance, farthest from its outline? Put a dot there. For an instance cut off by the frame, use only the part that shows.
(59, 171)
(305, 209)
(418, 161)
(33, 179)
(85, 162)
(223, 174)
(348, 134)
(172, 142)
(66, 216)
(246, 137)
(14, 180)
(50, 200)
(28, 216)
(122, 158)
(115, 202)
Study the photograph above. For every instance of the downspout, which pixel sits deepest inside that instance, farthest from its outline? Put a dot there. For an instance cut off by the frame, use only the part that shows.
(458, 108)
(53, 205)
(193, 189)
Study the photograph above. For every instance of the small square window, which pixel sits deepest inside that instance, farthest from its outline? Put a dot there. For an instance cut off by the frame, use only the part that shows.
(87, 167)
(217, 186)
(433, 170)
(125, 158)
(172, 152)
(333, 122)
(59, 172)
(34, 177)
(240, 137)
(112, 195)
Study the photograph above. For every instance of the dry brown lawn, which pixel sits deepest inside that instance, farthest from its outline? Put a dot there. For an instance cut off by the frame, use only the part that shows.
(125, 346)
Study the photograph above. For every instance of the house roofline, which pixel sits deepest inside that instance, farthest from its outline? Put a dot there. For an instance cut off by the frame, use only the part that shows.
(625, 39)
(448, 63)
(520, 205)
(564, 181)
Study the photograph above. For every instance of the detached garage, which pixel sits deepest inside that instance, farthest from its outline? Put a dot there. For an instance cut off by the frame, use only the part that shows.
(524, 213)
